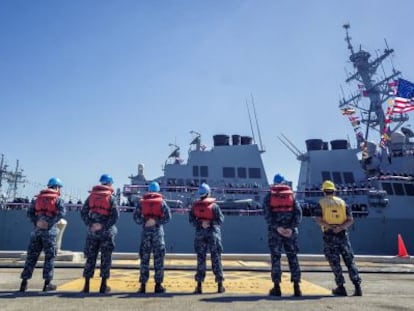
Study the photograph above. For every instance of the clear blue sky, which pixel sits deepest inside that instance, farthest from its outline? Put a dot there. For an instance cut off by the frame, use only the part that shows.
(95, 86)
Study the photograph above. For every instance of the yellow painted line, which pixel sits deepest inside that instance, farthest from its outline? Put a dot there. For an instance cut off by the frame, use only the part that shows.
(236, 282)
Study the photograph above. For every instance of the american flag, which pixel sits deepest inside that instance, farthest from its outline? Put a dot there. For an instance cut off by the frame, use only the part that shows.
(404, 98)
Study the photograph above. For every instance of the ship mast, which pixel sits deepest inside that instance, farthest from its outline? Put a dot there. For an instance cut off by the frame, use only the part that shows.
(378, 92)
(13, 178)
(3, 171)
(16, 178)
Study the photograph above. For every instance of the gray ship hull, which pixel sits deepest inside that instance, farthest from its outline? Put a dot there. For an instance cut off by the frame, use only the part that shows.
(241, 234)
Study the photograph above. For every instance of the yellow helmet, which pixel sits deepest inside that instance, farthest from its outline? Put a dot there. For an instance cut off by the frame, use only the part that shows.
(328, 186)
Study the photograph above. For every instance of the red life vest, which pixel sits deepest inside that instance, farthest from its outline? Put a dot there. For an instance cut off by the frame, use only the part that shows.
(281, 198)
(151, 205)
(203, 209)
(46, 202)
(100, 199)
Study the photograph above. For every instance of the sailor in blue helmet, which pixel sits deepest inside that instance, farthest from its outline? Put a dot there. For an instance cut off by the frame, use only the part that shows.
(335, 217)
(100, 214)
(152, 213)
(206, 217)
(283, 216)
(44, 212)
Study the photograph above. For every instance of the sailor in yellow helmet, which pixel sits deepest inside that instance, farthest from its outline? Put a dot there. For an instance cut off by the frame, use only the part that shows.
(334, 217)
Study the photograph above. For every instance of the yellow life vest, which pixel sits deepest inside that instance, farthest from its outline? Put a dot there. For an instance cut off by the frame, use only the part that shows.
(333, 210)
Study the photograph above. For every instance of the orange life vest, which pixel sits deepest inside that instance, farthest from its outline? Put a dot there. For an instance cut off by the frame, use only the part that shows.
(46, 203)
(203, 209)
(151, 205)
(281, 198)
(100, 199)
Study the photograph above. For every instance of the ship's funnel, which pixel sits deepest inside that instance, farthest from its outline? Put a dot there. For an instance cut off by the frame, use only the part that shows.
(246, 140)
(235, 139)
(339, 144)
(221, 140)
(314, 144)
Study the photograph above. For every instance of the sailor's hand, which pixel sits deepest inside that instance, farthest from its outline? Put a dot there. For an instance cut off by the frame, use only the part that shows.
(150, 222)
(205, 224)
(41, 224)
(329, 227)
(96, 226)
(337, 229)
(286, 232)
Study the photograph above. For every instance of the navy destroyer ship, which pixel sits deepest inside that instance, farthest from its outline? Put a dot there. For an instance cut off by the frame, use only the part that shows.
(375, 177)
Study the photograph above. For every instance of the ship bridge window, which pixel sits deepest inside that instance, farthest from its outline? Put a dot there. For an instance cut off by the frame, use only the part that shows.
(203, 171)
(326, 175)
(387, 187)
(337, 178)
(409, 189)
(398, 188)
(254, 172)
(349, 177)
(195, 171)
(241, 172)
(229, 172)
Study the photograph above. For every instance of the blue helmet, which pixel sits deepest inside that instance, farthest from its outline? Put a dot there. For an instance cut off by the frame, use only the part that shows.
(203, 190)
(278, 179)
(154, 187)
(54, 182)
(106, 179)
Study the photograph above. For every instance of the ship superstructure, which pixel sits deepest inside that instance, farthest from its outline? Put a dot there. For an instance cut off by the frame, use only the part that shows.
(233, 168)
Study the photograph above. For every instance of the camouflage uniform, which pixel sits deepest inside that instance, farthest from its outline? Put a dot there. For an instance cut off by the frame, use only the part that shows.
(102, 240)
(336, 245)
(42, 239)
(288, 220)
(152, 240)
(208, 239)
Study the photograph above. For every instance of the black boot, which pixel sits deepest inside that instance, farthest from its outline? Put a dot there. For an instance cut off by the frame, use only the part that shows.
(358, 290)
(275, 291)
(339, 291)
(23, 285)
(86, 286)
(220, 288)
(159, 289)
(48, 287)
(104, 289)
(142, 289)
(296, 289)
(199, 288)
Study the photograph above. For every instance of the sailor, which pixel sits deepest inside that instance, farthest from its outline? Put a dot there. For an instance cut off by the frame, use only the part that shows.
(206, 216)
(334, 217)
(44, 212)
(100, 213)
(283, 216)
(152, 212)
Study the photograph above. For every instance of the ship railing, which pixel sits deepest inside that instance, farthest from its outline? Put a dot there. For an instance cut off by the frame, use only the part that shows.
(134, 189)
(340, 191)
(14, 206)
(391, 177)
(130, 209)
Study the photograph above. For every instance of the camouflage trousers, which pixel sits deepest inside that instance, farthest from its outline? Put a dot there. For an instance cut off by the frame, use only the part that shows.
(152, 240)
(290, 246)
(40, 240)
(207, 240)
(334, 246)
(95, 242)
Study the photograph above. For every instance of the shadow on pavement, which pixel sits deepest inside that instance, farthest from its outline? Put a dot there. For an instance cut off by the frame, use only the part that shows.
(229, 299)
